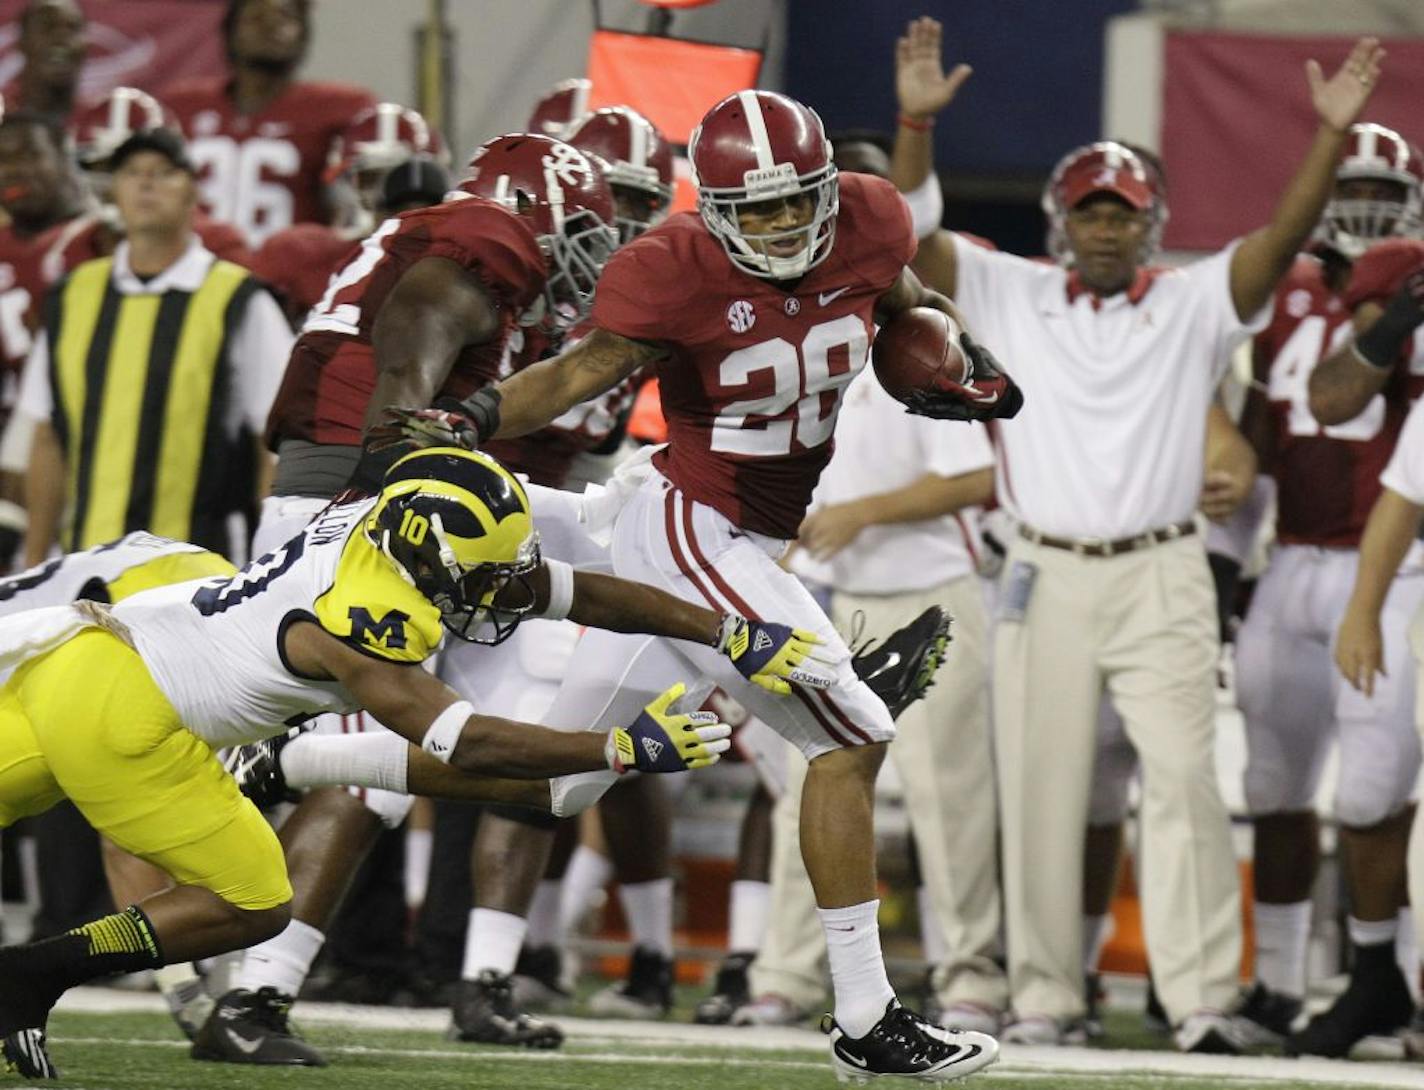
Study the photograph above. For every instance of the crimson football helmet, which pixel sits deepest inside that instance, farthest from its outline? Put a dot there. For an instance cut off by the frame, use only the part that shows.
(755, 147)
(559, 108)
(637, 160)
(100, 129)
(1374, 153)
(1104, 167)
(564, 197)
(374, 142)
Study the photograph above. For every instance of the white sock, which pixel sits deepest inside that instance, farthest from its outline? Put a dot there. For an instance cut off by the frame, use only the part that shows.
(375, 759)
(1372, 932)
(419, 844)
(588, 872)
(1406, 951)
(1096, 932)
(492, 942)
(282, 962)
(648, 906)
(544, 913)
(170, 977)
(1282, 942)
(932, 943)
(857, 966)
(748, 911)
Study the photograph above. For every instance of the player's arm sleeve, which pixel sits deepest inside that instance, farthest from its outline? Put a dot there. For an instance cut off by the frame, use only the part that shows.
(260, 346)
(1405, 472)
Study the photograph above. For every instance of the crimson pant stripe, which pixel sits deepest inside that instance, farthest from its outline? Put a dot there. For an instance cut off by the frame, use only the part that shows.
(844, 719)
(670, 520)
(746, 610)
(968, 539)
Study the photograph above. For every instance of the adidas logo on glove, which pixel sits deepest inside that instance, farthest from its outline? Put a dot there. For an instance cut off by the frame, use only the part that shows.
(762, 641)
(652, 748)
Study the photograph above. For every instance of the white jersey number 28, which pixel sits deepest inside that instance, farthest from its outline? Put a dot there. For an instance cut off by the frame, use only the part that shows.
(793, 413)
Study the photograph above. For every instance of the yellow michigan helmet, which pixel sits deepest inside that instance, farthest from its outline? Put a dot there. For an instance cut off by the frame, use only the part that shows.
(456, 524)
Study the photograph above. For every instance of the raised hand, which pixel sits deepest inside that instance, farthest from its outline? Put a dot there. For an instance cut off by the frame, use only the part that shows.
(1339, 99)
(920, 83)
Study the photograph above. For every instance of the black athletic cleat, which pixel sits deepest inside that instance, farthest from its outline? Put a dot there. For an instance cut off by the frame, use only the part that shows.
(729, 991)
(484, 1012)
(901, 668)
(1376, 1002)
(1413, 1037)
(1154, 1017)
(257, 768)
(25, 1000)
(647, 993)
(1266, 1017)
(251, 1028)
(903, 1044)
(24, 1053)
(1093, 995)
(538, 980)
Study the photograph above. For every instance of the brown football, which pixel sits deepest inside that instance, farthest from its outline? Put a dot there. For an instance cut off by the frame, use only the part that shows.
(918, 350)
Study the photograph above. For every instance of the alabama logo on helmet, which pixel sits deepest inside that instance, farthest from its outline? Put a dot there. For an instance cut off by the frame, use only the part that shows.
(756, 147)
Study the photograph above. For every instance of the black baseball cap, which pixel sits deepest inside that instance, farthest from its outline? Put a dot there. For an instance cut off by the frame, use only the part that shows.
(417, 180)
(166, 142)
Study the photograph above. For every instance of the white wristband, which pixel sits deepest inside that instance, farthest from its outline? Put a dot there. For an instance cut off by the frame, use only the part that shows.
(561, 590)
(444, 732)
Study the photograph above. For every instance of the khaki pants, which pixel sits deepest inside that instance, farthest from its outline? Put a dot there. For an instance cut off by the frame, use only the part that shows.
(1144, 625)
(942, 753)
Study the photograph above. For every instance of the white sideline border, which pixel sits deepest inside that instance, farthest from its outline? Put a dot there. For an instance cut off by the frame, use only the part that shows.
(1017, 1060)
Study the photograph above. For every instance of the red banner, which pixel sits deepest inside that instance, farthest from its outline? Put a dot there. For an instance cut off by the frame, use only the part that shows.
(1236, 119)
(138, 43)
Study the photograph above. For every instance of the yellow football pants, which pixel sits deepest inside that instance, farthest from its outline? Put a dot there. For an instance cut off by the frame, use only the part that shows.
(86, 722)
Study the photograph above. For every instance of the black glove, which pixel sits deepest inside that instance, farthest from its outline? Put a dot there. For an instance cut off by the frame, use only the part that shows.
(987, 391)
(1379, 346)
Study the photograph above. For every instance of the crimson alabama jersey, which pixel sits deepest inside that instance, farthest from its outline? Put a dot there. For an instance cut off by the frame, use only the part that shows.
(332, 372)
(262, 172)
(1327, 478)
(21, 289)
(297, 263)
(754, 381)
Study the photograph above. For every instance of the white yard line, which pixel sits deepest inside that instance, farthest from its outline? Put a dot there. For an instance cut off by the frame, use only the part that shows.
(1019, 1061)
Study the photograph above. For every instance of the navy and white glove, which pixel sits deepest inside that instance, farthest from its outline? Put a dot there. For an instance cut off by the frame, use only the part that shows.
(986, 393)
(660, 740)
(774, 655)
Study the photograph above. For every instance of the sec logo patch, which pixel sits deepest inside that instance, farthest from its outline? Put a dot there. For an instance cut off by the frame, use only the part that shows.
(740, 316)
(1298, 303)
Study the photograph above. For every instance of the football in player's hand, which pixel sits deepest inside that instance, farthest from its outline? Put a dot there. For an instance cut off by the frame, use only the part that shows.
(918, 350)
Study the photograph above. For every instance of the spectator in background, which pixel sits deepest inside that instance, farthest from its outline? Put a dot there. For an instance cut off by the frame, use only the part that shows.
(152, 377)
(259, 138)
(1107, 587)
(53, 47)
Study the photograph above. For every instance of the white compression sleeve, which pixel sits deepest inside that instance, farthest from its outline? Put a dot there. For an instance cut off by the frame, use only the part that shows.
(561, 590)
(373, 759)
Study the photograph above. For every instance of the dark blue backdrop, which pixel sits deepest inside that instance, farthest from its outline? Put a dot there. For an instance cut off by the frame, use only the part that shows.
(1036, 89)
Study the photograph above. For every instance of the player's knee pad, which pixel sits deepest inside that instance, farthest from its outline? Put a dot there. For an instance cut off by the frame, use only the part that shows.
(390, 807)
(1363, 801)
(522, 815)
(1273, 790)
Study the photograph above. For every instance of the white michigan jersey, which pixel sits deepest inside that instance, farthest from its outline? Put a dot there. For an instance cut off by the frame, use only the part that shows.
(214, 646)
(108, 573)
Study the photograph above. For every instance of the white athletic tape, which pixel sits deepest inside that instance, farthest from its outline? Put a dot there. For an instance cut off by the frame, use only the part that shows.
(444, 732)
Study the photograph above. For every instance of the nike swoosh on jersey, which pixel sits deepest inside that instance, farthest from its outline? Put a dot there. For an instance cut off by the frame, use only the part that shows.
(827, 297)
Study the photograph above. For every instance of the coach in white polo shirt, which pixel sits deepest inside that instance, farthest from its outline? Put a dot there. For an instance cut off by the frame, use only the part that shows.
(893, 530)
(1108, 585)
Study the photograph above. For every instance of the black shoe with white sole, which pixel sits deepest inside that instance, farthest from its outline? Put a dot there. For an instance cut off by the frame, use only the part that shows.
(249, 1027)
(485, 1013)
(903, 1045)
(1266, 1017)
(1376, 1002)
(24, 1053)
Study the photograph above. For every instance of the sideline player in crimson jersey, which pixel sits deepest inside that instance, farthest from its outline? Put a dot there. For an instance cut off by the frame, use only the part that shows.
(1326, 479)
(426, 304)
(756, 315)
(260, 138)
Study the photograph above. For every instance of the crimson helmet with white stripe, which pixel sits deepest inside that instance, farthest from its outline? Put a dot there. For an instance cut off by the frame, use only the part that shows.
(101, 128)
(1104, 167)
(559, 108)
(1374, 153)
(373, 143)
(635, 157)
(564, 197)
(754, 147)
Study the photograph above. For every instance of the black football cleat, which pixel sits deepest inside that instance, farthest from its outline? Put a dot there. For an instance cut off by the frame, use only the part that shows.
(903, 666)
(257, 768)
(1265, 1018)
(647, 993)
(904, 1045)
(729, 991)
(1376, 1002)
(24, 1053)
(538, 980)
(484, 1012)
(252, 1028)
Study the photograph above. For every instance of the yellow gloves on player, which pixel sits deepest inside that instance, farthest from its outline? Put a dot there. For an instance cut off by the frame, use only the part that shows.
(660, 740)
(773, 655)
